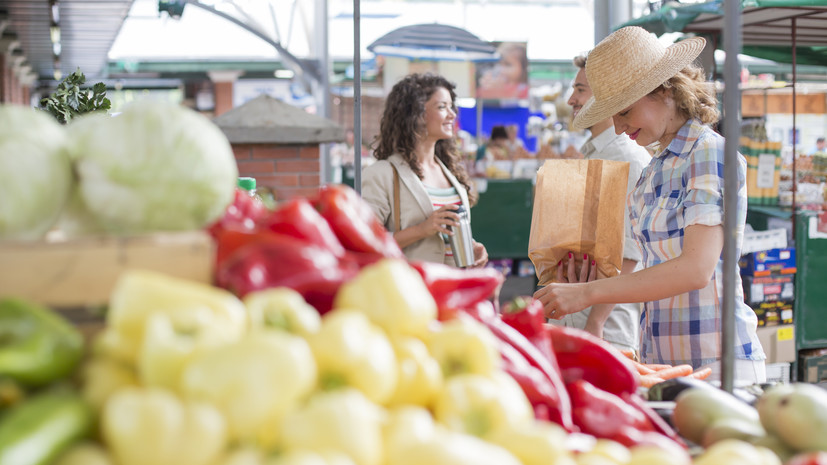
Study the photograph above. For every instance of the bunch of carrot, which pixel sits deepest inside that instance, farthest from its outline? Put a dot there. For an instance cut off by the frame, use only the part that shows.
(654, 373)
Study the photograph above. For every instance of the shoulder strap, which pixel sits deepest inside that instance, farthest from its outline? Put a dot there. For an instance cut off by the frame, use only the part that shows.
(396, 213)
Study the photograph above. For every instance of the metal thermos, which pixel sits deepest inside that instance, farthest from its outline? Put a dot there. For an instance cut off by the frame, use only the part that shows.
(461, 241)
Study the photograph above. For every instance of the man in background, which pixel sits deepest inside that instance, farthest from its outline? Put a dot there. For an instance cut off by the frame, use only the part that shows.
(618, 324)
(820, 147)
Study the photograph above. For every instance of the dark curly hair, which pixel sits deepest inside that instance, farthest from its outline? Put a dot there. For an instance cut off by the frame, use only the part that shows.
(403, 124)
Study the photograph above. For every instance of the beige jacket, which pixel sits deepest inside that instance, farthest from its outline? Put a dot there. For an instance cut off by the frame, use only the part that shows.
(414, 203)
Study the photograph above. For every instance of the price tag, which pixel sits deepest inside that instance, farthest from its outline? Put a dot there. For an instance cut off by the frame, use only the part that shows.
(785, 334)
(766, 170)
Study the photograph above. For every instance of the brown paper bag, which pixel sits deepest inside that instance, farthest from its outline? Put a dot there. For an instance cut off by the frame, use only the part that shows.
(578, 208)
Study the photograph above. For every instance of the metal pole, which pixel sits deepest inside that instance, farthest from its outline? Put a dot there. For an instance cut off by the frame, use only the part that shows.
(795, 137)
(357, 99)
(323, 87)
(732, 133)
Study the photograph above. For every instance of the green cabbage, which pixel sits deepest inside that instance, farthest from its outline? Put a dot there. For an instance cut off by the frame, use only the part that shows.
(35, 172)
(154, 167)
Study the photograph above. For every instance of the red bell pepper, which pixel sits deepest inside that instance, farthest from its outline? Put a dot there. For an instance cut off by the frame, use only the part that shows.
(242, 214)
(526, 315)
(559, 405)
(297, 218)
(602, 413)
(657, 421)
(534, 383)
(455, 288)
(582, 356)
(631, 437)
(230, 239)
(354, 222)
(276, 260)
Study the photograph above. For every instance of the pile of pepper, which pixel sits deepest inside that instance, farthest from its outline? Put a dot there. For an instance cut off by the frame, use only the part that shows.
(40, 412)
(315, 245)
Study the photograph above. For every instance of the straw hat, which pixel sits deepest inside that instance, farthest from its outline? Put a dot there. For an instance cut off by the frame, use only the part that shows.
(626, 66)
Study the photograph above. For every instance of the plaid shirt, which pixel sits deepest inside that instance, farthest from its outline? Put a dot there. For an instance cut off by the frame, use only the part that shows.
(682, 186)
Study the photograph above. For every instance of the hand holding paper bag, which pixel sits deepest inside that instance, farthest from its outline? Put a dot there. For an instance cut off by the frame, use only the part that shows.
(578, 208)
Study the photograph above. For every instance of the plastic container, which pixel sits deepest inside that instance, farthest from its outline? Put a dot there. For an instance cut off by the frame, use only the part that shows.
(248, 184)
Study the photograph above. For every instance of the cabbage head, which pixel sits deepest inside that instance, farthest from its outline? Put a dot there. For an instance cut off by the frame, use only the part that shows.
(153, 167)
(35, 172)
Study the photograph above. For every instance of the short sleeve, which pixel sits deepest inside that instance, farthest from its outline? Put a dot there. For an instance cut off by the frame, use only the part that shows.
(704, 181)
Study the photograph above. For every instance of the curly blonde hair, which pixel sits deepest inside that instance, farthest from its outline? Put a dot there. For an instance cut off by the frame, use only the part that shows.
(403, 124)
(694, 96)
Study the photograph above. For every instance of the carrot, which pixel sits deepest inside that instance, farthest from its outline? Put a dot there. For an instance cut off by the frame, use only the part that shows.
(648, 381)
(629, 353)
(657, 366)
(674, 372)
(643, 369)
(701, 373)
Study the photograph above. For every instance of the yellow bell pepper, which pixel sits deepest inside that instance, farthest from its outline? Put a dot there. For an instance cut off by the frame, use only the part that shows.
(351, 351)
(392, 295)
(100, 377)
(463, 345)
(535, 443)
(312, 458)
(139, 293)
(479, 405)
(253, 382)
(419, 375)
(151, 426)
(412, 438)
(85, 453)
(173, 339)
(283, 309)
(343, 420)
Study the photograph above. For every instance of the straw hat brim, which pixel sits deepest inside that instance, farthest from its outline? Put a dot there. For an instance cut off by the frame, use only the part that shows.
(676, 57)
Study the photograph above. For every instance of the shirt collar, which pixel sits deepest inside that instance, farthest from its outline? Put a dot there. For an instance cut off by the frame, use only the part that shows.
(603, 139)
(685, 139)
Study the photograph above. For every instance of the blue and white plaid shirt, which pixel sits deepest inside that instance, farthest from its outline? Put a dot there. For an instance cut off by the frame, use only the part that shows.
(682, 186)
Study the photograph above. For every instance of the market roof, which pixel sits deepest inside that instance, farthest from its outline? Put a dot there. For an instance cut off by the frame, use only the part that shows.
(769, 27)
(267, 120)
(434, 42)
(86, 31)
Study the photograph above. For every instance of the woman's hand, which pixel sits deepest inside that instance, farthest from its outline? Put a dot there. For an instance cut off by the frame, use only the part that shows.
(480, 255)
(566, 273)
(440, 221)
(568, 295)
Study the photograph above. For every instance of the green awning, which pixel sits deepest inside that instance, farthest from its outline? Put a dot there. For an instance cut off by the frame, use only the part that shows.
(767, 27)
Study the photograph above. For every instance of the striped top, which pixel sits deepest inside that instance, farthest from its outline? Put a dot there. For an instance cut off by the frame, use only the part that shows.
(441, 196)
(683, 186)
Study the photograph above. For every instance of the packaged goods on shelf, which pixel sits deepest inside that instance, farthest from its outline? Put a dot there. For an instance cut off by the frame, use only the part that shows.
(767, 262)
(812, 366)
(774, 313)
(773, 288)
(763, 166)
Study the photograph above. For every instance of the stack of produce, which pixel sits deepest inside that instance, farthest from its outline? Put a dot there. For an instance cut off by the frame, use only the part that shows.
(154, 167)
(763, 164)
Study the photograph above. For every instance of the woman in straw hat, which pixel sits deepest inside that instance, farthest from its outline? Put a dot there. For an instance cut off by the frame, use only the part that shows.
(658, 97)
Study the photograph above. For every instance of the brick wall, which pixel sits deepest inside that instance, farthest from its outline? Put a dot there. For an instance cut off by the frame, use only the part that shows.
(289, 170)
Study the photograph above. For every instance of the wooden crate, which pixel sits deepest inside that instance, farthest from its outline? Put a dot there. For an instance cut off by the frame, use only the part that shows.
(78, 273)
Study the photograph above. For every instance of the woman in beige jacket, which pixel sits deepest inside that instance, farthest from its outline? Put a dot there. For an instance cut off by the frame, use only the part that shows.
(417, 141)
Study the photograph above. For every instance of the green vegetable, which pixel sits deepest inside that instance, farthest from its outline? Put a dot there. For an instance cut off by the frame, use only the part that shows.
(36, 345)
(69, 101)
(36, 431)
(35, 172)
(154, 167)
